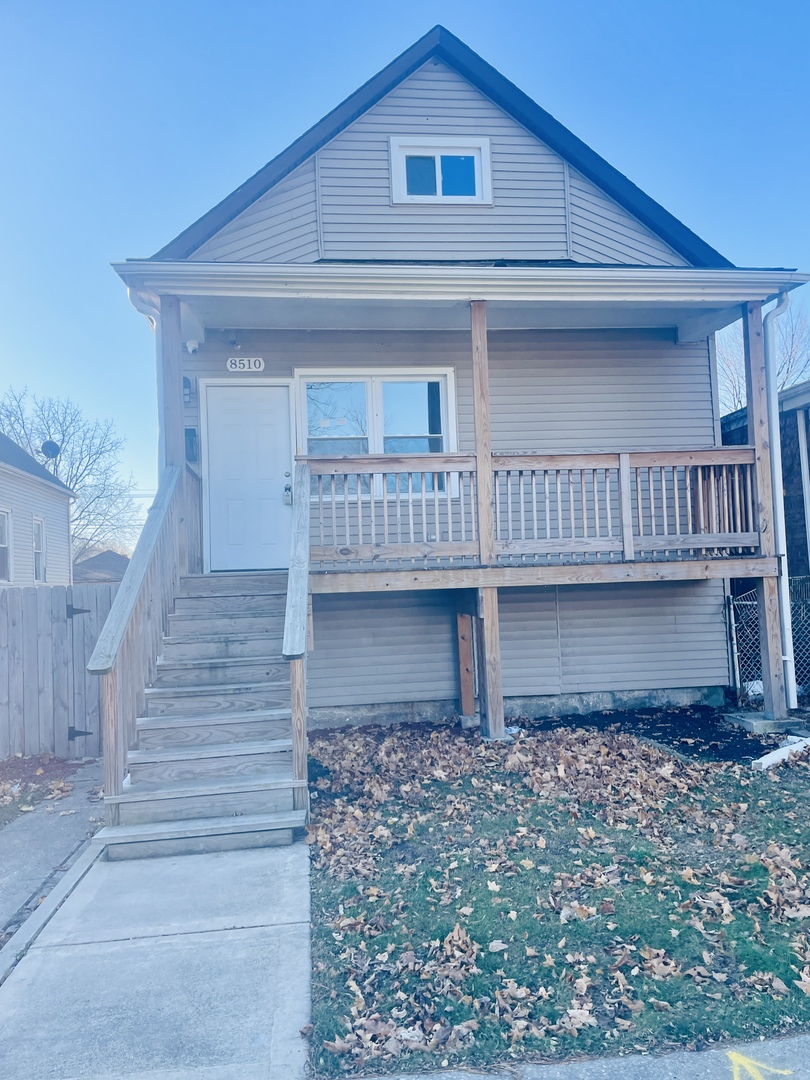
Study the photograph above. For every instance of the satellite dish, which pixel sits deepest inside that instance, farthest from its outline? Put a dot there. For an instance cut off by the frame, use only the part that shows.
(50, 449)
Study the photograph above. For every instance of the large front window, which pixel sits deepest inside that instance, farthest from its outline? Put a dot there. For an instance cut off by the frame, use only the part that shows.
(378, 414)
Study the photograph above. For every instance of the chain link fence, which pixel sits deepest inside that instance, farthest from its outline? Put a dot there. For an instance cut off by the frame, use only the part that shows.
(745, 639)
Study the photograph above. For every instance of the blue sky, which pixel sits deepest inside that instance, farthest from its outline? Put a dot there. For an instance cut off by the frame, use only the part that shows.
(121, 123)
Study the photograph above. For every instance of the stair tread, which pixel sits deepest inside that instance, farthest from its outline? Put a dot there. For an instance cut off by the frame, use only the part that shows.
(146, 792)
(201, 751)
(190, 827)
(214, 639)
(161, 722)
(218, 661)
(213, 688)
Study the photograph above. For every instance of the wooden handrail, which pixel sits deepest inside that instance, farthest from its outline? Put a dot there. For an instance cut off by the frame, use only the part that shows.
(117, 623)
(388, 463)
(294, 646)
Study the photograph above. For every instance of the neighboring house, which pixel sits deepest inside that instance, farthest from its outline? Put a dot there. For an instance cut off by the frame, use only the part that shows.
(34, 521)
(455, 372)
(794, 403)
(105, 566)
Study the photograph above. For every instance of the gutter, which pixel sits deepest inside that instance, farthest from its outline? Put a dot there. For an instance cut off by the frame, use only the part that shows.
(777, 484)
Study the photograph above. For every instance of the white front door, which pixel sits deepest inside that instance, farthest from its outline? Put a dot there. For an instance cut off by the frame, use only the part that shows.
(249, 464)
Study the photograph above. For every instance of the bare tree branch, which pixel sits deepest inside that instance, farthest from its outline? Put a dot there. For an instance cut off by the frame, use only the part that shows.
(104, 513)
(792, 351)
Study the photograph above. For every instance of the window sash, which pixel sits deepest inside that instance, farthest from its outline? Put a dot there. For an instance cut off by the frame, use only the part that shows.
(39, 549)
(5, 546)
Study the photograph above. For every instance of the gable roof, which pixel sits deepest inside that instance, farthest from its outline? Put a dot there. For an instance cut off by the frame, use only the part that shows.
(14, 455)
(440, 43)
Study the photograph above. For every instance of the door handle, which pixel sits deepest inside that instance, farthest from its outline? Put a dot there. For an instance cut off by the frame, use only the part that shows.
(288, 494)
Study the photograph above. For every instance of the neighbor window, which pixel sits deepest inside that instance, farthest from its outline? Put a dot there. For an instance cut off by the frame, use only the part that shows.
(440, 170)
(39, 549)
(5, 546)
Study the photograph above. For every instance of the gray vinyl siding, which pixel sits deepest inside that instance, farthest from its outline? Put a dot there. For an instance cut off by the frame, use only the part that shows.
(380, 649)
(337, 205)
(604, 232)
(28, 498)
(374, 649)
(550, 390)
(282, 226)
(598, 390)
(591, 638)
(642, 636)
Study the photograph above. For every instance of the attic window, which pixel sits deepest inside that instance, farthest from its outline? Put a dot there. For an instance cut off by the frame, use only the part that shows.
(440, 170)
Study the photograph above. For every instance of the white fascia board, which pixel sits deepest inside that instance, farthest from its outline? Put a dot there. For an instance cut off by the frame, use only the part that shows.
(553, 284)
(21, 473)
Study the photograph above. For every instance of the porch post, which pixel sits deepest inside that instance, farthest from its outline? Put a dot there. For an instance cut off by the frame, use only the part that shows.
(489, 668)
(483, 433)
(172, 440)
(770, 637)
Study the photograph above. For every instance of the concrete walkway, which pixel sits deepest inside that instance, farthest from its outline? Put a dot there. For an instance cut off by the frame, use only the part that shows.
(168, 969)
(35, 845)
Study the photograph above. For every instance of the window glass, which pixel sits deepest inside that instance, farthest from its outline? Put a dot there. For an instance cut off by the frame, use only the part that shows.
(412, 417)
(458, 175)
(420, 175)
(39, 550)
(5, 554)
(337, 422)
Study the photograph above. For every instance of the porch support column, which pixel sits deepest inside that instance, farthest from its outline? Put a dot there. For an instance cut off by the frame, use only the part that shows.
(770, 637)
(466, 611)
(483, 432)
(489, 666)
(170, 384)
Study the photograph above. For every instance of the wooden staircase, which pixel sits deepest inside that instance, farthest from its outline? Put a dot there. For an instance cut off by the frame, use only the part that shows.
(212, 767)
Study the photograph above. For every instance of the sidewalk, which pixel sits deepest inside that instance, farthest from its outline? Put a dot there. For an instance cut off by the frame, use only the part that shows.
(172, 969)
(35, 845)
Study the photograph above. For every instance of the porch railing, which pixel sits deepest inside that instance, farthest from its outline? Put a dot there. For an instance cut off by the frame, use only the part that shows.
(420, 510)
(127, 648)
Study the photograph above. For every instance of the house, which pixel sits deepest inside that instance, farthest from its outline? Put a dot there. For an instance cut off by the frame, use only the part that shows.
(34, 521)
(439, 433)
(794, 403)
(107, 565)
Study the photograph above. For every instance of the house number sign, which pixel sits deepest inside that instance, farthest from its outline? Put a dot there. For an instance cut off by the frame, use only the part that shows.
(245, 363)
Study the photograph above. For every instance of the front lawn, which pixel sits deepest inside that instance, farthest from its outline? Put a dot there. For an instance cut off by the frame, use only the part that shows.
(577, 892)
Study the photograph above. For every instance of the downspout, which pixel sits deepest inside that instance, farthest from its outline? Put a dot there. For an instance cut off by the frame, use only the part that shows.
(777, 483)
(148, 304)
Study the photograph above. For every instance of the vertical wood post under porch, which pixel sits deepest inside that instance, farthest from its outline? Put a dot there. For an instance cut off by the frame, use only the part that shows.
(759, 436)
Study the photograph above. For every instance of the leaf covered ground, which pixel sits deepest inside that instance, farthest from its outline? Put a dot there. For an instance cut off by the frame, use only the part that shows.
(576, 892)
(26, 781)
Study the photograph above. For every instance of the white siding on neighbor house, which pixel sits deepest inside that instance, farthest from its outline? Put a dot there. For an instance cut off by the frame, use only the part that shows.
(281, 226)
(373, 649)
(550, 391)
(541, 210)
(376, 649)
(28, 498)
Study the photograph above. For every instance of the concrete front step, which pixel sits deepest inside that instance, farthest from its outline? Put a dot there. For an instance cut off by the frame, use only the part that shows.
(219, 672)
(225, 798)
(199, 835)
(223, 646)
(259, 603)
(205, 700)
(233, 584)
(165, 732)
(204, 625)
(180, 764)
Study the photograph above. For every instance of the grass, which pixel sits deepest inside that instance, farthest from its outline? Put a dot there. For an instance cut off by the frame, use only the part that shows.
(576, 893)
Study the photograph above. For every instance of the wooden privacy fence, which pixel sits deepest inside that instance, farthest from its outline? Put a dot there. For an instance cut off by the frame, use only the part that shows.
(48, 700)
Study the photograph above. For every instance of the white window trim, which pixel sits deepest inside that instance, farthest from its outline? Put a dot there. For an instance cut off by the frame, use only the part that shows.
(372, 376)
(44, 578)
(433, 146)
(10, 538)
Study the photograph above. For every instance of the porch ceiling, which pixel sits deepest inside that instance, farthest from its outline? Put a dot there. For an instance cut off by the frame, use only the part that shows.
(263, 296)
